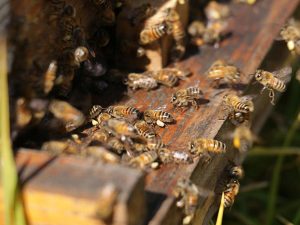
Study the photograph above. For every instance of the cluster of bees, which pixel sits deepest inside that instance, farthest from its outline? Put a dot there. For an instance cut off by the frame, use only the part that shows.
(122, 133)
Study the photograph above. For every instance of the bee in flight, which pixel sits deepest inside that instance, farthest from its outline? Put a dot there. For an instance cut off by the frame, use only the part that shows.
(236, 172)
(136, 81)
(154, 32)
(221, 71)
(203, 147)
(273, 81)
(183, 97)
(290, 33)
(158, 116)
(243, 138)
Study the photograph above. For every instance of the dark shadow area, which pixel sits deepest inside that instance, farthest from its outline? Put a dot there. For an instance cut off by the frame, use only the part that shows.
(153, 202)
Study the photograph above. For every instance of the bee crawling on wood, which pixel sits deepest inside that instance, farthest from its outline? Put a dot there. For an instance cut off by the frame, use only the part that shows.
(158, 116)
(221, 71)
(144, 129)
(273, 81)
(123, 111)
(136, 81)
(164, 77)
(231, 191)
(72, 117)
(188, 196)
(183, 97)
(120, 128)
(169, 156)
(152, 33)
(203, 147)
(145, 160)
(154, 144)
(234, 103)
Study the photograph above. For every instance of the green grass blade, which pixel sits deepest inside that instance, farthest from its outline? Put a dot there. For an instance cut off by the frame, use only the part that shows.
(221, 211)
(14, 213)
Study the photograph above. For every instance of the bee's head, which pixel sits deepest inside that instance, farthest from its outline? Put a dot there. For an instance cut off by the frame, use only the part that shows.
(174, 98)
(258, 75)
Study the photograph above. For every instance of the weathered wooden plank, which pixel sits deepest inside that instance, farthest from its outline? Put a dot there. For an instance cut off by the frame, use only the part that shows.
(71, 186)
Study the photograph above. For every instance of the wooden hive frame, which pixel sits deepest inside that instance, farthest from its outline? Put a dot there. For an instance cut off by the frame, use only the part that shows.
(246, 48)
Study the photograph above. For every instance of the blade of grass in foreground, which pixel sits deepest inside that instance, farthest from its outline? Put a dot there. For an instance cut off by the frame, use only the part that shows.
(221, 211)
(14, 212)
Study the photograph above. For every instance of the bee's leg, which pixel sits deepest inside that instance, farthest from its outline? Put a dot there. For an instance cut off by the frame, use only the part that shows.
(194, 104)
(272, 96)
(262, 90)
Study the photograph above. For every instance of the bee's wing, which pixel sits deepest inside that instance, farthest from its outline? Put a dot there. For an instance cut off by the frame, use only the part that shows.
(283, 74)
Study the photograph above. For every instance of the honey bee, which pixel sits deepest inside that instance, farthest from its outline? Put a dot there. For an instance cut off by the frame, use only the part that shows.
(290, 33)
(183, 97)
(243, 138)
(68, 114)
(50, 77)
(220, 70)
(203, 146)
(100, 135)
(106, 202)
(136, 81)
(102, 154)
(181, 74)
(116, 145)
(188, 196)
(273, 80)
(164, 77)
(216, 11)
(238, 118)
(144, 160)
(81, 54)
(169, 156)
(236, 172)
(120, 128)
(155, 144)
(59, 147)
(95, 111)
(158, 116)
(178, 32)
(23, 113)
(239, 104)
(249, 2)
(141, 13)
(123, 111)
(144, 129)
(102, 117)
(231, 191)
(152, 33)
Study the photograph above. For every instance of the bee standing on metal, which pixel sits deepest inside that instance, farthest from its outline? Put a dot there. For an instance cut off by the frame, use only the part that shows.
(231, 191)
(169, 156)
(183, 97)
(220, 70)
(123, 111)
(239, 104)
(155, 32)
(158, 116)
(273, 80)
(188, 196)
(203, 146)
(136, 81)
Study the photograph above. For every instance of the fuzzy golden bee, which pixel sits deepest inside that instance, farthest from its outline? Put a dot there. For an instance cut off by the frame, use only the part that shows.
(155, 144)
(183, 97)
(116, 145)
(102, 154)
(61, 147)
(145, 160)
(72, 117)
(120, 128)
(236, 172)
(102, 117)
(144, 129)
(164, 77)
(95, 111)
(221, 71)
(188, 196)
(99, 135)
(154, 32)
(136, 81)
(231, 191)
(123, 111)
(239, 104)
(158, 116)
(169, 156)
(273, 81)
(106, 202)
(216, 11)
(203, 147)
(50, 77)
(290, 33)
